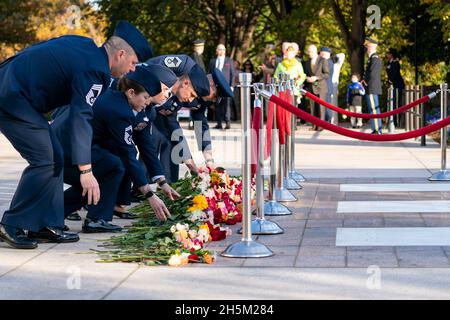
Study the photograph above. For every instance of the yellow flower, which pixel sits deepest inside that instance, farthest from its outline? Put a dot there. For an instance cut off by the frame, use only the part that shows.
(200, 203)
(207, 258)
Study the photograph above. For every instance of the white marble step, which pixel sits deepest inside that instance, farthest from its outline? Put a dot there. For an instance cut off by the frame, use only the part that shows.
(396, 187)
(393, 206)
(346, 237)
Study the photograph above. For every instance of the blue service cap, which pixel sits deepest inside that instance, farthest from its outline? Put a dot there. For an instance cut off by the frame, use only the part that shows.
(164, 74)
(199, 81)
(325, 49)
(135, 39)
(146, 79)
(222, 86)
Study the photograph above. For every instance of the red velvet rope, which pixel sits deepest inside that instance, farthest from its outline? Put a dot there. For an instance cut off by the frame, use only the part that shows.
(364, 115)
(269, 127)
(256, 125)
(287, 118)
(280, 121)
(360, 135)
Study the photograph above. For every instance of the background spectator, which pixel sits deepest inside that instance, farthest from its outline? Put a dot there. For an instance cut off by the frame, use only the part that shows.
(338, 60)
(226, 66)
(396, 80)
(317, 73)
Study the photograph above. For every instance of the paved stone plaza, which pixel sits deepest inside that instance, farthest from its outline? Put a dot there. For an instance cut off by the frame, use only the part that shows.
(366, 213)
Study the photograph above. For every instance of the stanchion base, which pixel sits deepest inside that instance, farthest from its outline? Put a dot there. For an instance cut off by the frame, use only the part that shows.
(247, 249)
(291, 184)
(264, 227)
(283, 195)
(443, 175)
(297, 176)
(273, 208)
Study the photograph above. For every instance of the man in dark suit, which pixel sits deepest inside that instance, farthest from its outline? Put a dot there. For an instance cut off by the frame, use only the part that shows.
(372, 80)
(317, 73)
(395, 79)
(226, 66)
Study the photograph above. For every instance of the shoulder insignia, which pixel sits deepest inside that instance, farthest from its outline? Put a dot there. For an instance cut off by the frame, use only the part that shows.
(93, 94)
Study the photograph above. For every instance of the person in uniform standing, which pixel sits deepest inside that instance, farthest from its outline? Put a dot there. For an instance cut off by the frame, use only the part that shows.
(396, 80)
(199, 111)
(69, 70)
(197, 55)
(372, 81)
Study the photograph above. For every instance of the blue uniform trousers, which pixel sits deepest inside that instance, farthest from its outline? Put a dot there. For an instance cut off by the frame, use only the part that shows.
(38, 201)
(109, 171)
(173, 147)
(374, 108)
(202, 134)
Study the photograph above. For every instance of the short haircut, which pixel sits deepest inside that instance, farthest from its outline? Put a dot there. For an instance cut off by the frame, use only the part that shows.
(116, 43)
(357, 75)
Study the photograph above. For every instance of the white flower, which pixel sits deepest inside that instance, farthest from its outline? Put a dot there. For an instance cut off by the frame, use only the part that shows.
(175, 260)
(181, 227)
(192, 234)
(173, 229)
(185, 255)
(203, 235)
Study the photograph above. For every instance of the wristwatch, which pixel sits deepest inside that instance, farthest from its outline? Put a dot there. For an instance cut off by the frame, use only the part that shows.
(86, 171)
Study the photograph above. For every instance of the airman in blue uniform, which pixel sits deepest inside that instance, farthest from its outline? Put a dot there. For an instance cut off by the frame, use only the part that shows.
(117, 129)
(69, 70)
(193, 90)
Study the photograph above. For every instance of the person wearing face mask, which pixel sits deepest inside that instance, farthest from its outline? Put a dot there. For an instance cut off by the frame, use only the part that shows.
(355, 91)
(115, 129)
(291, 65)
(145, 142)
(195, 90)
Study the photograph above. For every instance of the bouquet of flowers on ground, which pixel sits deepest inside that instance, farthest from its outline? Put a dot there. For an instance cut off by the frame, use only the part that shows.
(180, 240)
(223, 194)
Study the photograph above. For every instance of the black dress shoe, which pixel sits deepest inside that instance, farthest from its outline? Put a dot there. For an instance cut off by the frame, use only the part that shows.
(74, 216)
(228, 126)
(218, 127)
(100, 225)
(52, 234)
(125, 215)
(16, 238)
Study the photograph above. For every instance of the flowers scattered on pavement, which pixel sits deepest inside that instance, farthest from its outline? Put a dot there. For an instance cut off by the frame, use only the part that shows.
(207, 201)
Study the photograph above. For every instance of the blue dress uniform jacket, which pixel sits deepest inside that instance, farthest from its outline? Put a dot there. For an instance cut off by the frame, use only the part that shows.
(116, 129)
(166, 125)
(393, 73)
(372, 75)
(69, 70)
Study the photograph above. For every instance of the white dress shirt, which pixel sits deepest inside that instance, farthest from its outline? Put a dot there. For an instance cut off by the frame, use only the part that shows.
(220, 62)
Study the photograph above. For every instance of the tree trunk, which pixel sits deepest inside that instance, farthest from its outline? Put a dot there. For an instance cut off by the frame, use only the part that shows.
(354, 38)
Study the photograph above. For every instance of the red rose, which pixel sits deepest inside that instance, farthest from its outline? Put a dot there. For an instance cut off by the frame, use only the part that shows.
(193, 257)
(217, 234)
